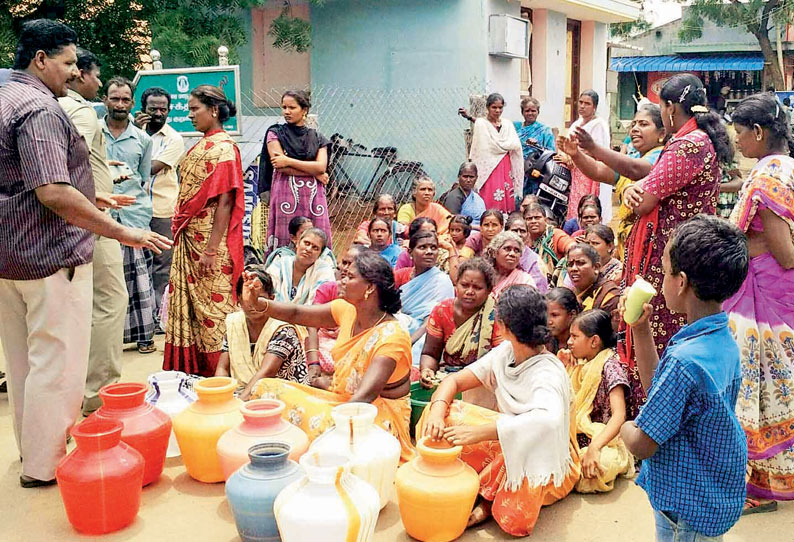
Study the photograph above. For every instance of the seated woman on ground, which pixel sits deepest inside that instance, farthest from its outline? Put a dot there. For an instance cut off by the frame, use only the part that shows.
(297, 277)
(563, 307)
(462, 330)
(530, 261)
(422, 205)
(380, 240)
(601, 238)
(320, 342)
(588, 213)
(257, 346)
(593, 290)
(607, 166)
(372, 356)
(462, 198)
(428, 225)
(525, 453)
(491, 222)
(422, 287)
(296, 227)
(504, 253)
(601, 390)
(549, 242)
(386, 209)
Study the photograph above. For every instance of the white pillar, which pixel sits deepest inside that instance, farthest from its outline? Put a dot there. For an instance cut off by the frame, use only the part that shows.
(549, 38)
(156, 64)
(223, 56)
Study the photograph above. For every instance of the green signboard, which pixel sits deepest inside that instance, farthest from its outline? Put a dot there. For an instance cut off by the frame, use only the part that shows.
(180, 81)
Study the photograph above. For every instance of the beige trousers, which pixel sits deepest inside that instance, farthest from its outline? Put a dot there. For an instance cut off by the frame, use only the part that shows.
(45, 328)
(107, 321)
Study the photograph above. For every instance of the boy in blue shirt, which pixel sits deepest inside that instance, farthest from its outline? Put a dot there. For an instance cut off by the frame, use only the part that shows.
(694, 449)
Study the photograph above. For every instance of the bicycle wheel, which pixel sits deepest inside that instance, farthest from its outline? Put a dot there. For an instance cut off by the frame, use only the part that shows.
(399, 180)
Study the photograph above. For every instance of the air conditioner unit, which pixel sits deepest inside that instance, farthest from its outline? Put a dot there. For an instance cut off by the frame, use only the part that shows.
(508, 36)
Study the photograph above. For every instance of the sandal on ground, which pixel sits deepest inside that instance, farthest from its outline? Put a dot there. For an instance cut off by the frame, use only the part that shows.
(480, 514)
(27, 482)
(754, 506)
(147, 348)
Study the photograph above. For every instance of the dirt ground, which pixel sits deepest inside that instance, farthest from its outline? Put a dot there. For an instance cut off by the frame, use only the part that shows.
(179, 508)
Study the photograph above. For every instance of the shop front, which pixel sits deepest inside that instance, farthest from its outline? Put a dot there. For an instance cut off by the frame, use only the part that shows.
(727, 77)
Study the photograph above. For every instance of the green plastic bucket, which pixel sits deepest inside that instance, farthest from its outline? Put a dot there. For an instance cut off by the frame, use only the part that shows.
(420, 398)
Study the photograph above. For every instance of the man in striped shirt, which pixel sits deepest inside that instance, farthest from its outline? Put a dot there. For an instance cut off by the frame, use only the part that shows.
(48, 217)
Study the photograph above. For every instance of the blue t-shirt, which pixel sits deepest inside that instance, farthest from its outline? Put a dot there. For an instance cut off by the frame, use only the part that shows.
(698, 471)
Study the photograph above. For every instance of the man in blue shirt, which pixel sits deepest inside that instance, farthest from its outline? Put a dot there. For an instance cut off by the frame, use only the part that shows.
(694, 448)
(128, 144)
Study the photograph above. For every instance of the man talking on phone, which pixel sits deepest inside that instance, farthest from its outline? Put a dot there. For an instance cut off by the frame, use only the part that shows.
(168, 148)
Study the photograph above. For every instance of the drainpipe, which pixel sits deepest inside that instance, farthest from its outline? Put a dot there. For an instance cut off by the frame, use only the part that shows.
(780, 53)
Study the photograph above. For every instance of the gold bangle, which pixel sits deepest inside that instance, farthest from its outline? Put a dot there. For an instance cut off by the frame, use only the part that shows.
(312, 350)
(439, 401)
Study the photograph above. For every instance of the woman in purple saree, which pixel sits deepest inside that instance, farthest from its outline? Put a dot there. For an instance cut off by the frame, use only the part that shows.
(292, 169)
(762, 311)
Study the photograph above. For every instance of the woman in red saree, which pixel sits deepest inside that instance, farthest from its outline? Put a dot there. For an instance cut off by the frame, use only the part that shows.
(208, 239)
(684, 182)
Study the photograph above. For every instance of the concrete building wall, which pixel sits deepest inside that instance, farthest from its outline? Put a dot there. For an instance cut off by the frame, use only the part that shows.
(502, 74)
(549, 30)
(393, 44)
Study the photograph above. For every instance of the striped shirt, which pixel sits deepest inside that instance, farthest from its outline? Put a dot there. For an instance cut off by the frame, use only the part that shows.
(39, 145)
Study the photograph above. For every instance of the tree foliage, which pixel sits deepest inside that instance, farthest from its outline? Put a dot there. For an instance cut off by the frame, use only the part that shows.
(185, 32)
(115, 31)
(292, 33)
(754, 16)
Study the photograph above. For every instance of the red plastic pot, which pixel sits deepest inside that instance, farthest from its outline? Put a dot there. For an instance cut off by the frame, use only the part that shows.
(100, 480)
(146, 428)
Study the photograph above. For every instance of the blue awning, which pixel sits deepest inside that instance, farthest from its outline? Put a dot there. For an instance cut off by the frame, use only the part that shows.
(675, 63)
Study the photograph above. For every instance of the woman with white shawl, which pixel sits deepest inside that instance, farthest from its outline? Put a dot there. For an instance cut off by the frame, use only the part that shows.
(496, 150)
(589, 126)
(296, 277)
(526, 454)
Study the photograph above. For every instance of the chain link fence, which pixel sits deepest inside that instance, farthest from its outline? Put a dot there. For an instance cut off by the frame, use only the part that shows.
(381, 140)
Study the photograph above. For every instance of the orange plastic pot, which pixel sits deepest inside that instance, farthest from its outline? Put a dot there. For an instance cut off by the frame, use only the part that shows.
(199, 426)
(146, 428)
(436, 492)
(100, 480)
(263, 423)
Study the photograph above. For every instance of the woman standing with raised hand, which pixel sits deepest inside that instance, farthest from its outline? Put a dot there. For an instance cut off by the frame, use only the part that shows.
(496, 150)
(292, 169)
(684, 182)
(598, 129)
(208, 239)
(604, 165)
(762, 312)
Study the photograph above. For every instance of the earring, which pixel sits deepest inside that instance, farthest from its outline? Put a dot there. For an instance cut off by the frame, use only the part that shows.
(661, 140)
(214, 114)
(671, 119)
(366, 294)
(759, 137)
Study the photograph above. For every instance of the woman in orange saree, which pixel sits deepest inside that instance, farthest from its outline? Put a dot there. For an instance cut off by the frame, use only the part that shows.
(208, 240)
(372, 355)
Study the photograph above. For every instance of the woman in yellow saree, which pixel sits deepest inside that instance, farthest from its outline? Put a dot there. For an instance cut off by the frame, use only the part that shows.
(602, 395)
(372, 356)
(208, 240)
